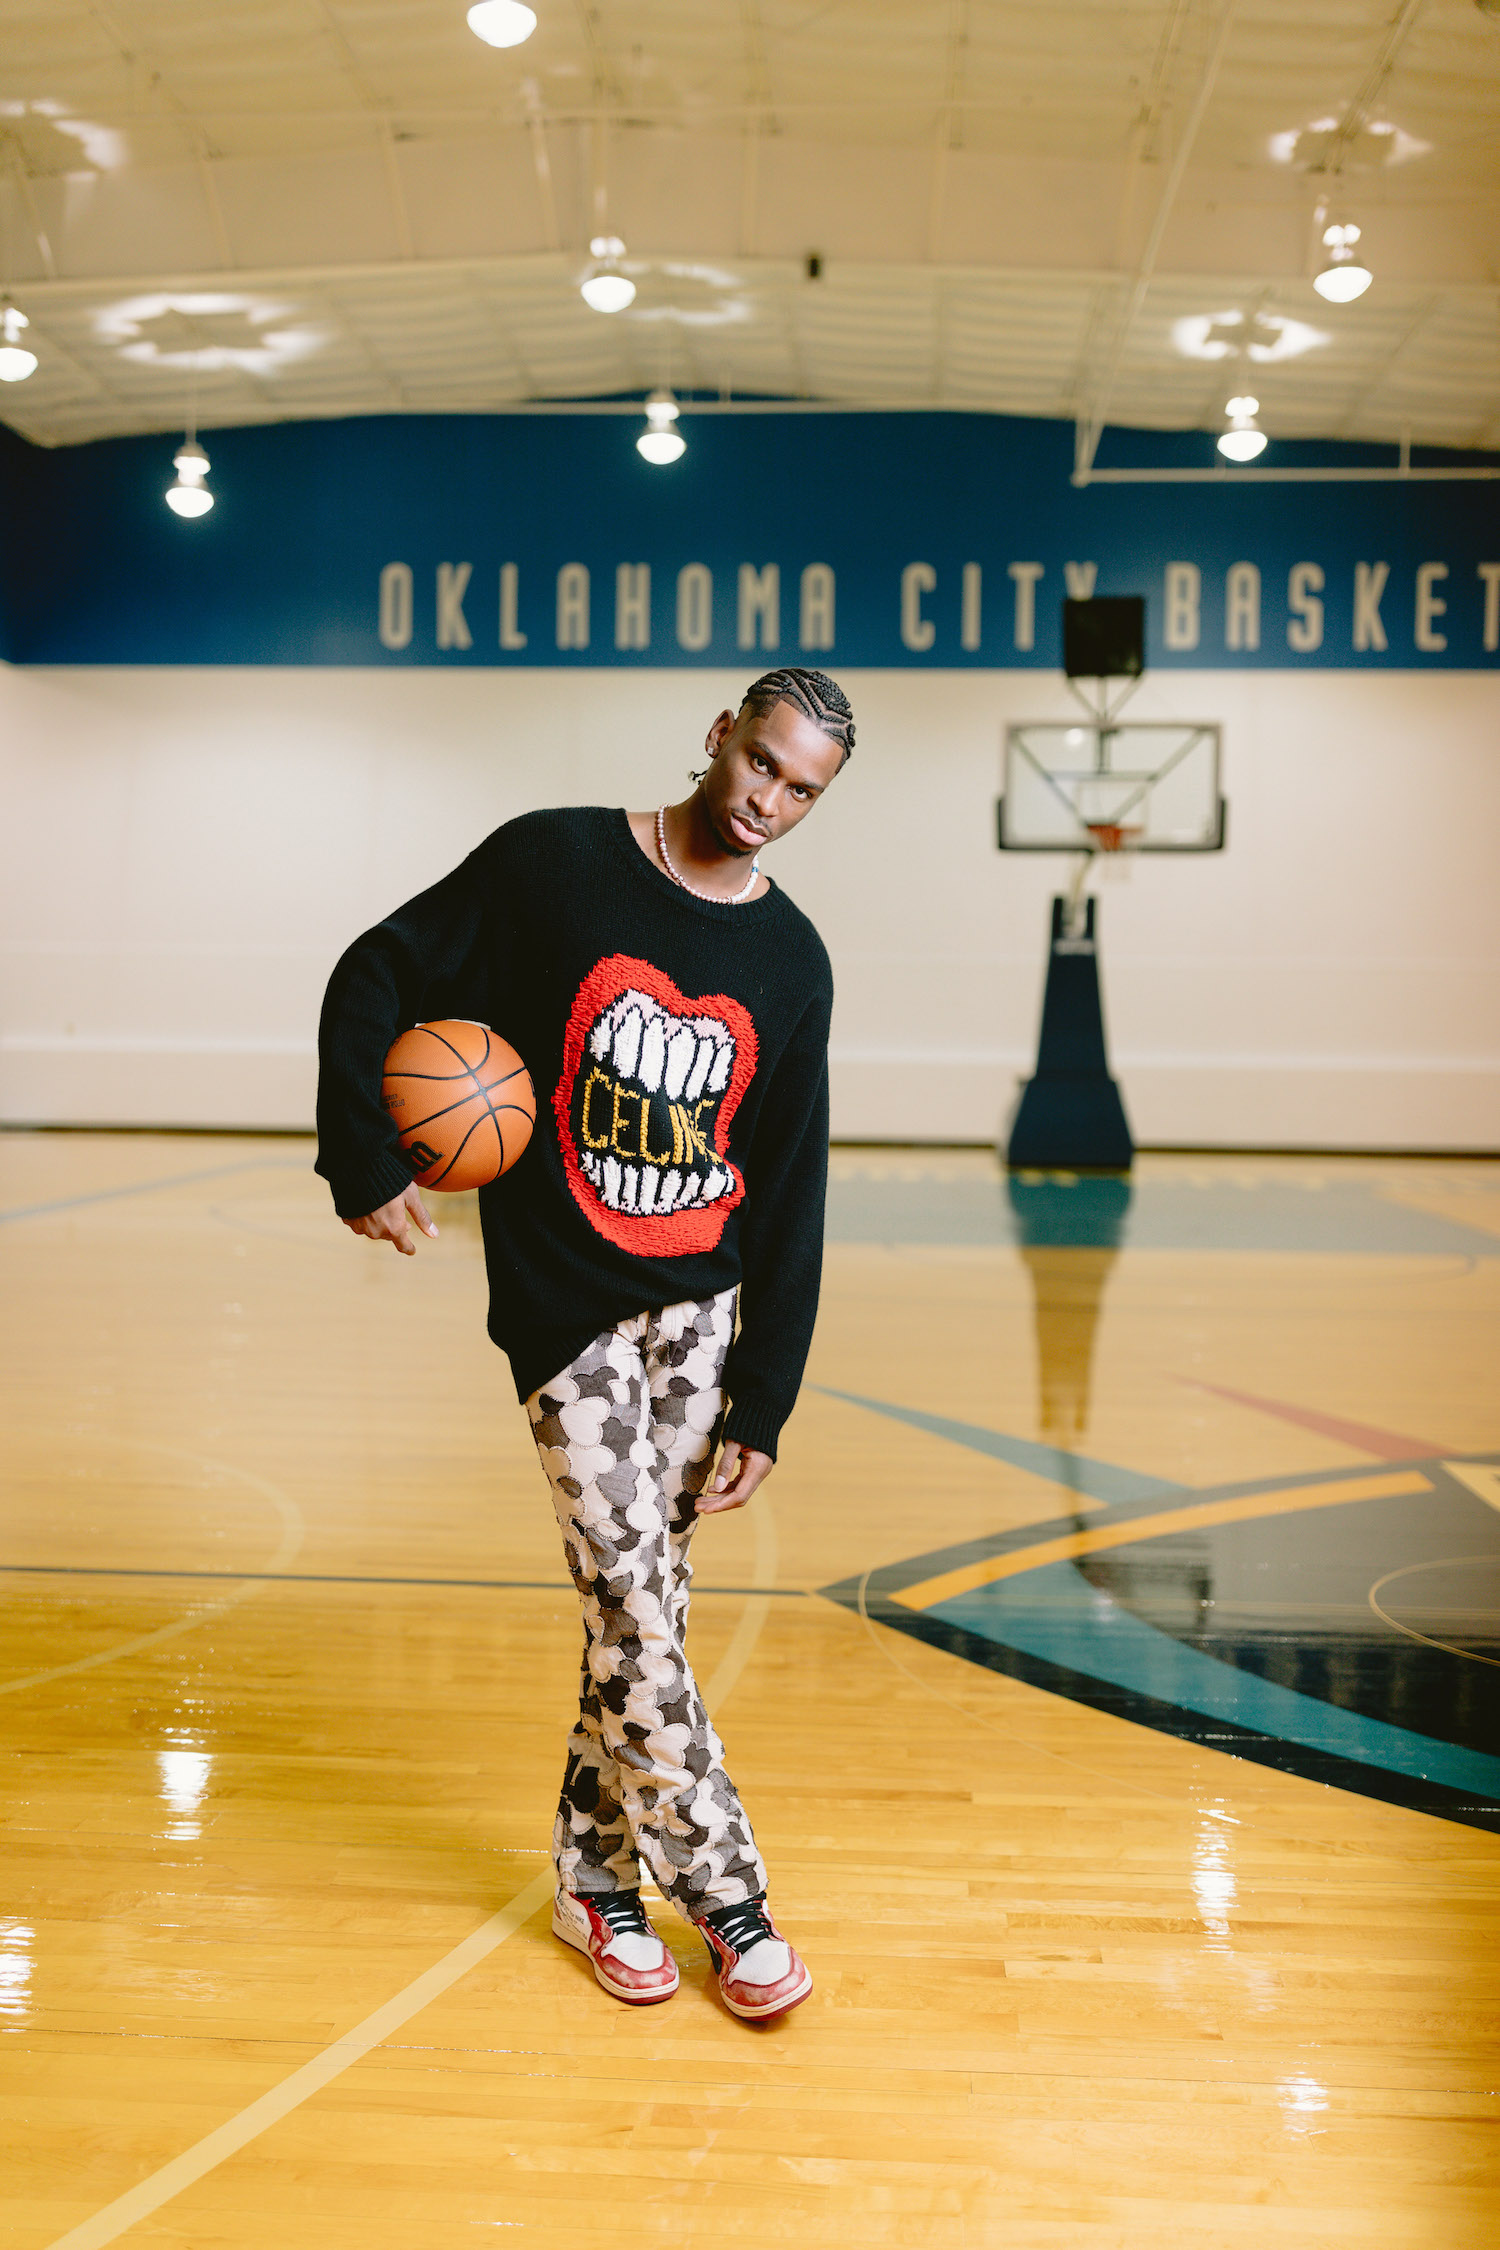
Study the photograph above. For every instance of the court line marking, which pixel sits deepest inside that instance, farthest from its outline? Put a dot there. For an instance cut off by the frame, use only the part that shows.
(1102, 1481)
(346, 1578)
(1362, 1437)
(1243, 1508)
(288, 1547)
(226, 2140)
(1481, 1477)
(1441, 1562)
(148, 1187)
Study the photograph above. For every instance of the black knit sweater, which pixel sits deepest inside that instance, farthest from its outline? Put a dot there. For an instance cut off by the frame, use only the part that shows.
(679, 1051)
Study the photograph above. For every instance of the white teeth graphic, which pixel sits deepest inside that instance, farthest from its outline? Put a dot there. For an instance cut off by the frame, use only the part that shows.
(655, 1052)
(653, 1055)
(641, 1188)
(682, 1049)
(699, 1071)
(628, 1043)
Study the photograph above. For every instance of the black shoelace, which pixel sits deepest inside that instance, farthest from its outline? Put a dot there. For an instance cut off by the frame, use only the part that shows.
(623, 1911)
(741, 1926)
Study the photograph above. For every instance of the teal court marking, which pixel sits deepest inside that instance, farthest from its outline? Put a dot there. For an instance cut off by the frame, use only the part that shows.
(1096, 1480)
(1063, 1626)
(1056, 1614)
(1342, 1216)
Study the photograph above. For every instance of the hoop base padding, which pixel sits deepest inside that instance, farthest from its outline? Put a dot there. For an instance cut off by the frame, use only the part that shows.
(1071, 1116)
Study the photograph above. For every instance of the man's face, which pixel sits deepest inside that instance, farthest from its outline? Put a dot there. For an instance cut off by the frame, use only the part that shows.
(768, 770)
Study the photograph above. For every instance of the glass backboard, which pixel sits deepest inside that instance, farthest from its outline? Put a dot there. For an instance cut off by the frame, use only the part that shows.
(1155, 782)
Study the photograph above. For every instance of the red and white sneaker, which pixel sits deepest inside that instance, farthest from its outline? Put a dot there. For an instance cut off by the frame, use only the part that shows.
(760, 1975)
(629, 1958)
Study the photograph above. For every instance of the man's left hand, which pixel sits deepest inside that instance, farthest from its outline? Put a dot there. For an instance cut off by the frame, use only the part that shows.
(740, 1470)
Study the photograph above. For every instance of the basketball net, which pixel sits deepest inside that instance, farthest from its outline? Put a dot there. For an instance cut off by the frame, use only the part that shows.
(1110, 836)
(1105, 836)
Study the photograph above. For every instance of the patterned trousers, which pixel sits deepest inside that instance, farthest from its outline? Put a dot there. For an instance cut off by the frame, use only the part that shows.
(627, 1436)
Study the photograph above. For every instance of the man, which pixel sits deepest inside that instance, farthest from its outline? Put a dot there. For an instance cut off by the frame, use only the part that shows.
(675, 1010)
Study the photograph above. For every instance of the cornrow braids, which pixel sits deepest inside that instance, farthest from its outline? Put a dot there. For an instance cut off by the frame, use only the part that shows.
(815, 695)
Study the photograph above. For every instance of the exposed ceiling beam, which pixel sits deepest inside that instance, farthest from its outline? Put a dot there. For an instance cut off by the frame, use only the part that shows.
(541, 161)
(543, 262)
(1090, 432)
(1371, 87)
(950, 121)
(137, 58)
(373, 108)
(1373, 381)
(16, 165)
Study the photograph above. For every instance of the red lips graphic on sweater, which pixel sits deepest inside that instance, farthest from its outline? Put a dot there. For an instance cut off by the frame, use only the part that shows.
(650, 1084)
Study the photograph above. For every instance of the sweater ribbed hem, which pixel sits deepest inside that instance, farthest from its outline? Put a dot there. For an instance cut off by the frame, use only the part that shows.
(357, 1194)
(754, 1424)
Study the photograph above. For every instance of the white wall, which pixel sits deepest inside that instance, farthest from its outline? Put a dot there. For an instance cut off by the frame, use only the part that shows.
(188, 851)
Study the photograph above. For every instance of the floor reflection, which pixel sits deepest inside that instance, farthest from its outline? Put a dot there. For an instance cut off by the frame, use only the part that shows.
(1068, 1227)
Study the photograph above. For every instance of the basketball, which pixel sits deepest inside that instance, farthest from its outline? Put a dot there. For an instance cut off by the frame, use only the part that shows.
(462, 1101)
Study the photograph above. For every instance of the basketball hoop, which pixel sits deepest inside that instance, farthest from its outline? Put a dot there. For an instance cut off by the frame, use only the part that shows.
(1111, 836)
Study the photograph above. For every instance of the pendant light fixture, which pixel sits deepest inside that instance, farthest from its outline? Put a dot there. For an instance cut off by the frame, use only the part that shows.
(661, 441)
(1343, 278)
(16, 362)
(502, 23)
(604, 287)
(1244, 440)
(189, 496)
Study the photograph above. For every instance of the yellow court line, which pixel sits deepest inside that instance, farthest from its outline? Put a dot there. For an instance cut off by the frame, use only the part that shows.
(1244, 1507)
(235, 2133)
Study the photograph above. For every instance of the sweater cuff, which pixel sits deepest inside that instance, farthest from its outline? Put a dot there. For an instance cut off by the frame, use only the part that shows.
(356, 1194)
(754, 1424)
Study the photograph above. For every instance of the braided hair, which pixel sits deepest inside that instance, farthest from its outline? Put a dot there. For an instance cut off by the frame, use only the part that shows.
(814, 694)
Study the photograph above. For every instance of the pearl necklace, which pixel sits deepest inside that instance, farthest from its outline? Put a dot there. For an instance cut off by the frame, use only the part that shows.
(738, 898)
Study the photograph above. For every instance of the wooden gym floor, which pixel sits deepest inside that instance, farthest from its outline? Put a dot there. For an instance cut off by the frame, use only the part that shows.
(1110, 1671)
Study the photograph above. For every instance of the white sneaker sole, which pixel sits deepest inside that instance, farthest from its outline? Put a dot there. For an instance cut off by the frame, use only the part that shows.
(768, 2014)
(561, 1928)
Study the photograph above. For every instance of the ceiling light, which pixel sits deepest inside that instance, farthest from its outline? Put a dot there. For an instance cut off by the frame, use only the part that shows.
(608, 292)
(502, 23)
(1242, 441)
(1343, 278)
(604, 287)
(189, 496)
(661, 442)
(16, 362)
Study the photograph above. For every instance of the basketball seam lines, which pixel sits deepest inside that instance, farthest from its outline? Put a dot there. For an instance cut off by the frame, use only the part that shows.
(448, 1043)
(477, 1093)
(449, 1077)
(463, 1144)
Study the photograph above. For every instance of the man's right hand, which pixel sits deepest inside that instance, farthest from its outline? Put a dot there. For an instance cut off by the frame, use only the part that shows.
(389, 1223)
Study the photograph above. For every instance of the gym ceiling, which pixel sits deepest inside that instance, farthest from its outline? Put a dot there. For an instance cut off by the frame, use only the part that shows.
(1091, 209)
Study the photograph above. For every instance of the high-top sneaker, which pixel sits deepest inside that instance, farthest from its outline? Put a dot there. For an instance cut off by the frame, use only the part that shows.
(629, 1958)
(759, 1974)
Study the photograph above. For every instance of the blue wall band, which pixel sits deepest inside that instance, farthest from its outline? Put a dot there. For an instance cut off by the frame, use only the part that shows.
(910, 540)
